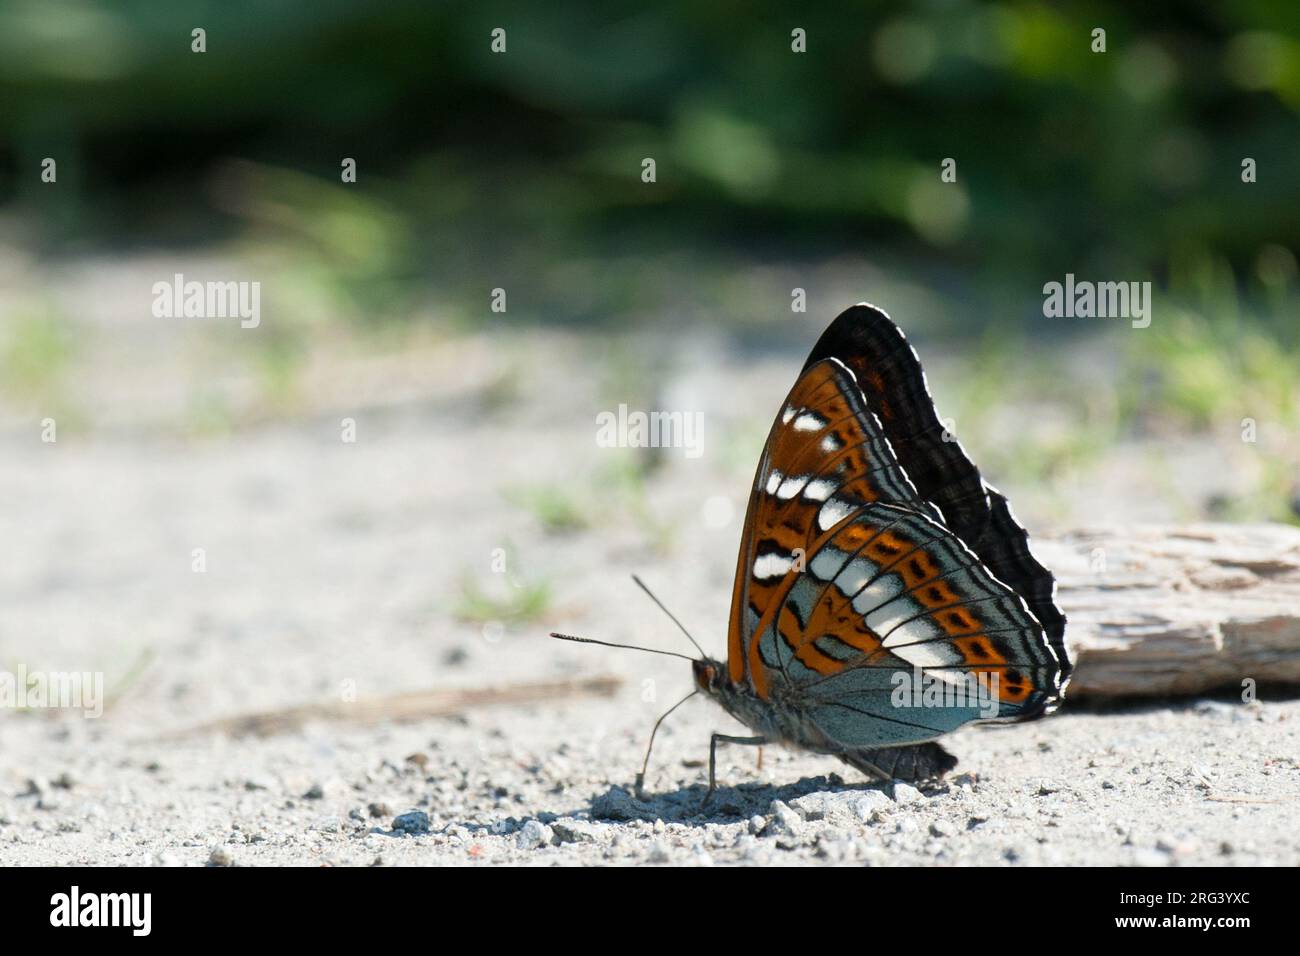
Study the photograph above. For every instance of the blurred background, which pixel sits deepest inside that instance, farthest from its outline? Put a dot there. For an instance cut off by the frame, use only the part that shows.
(522, 171)
(775, 170)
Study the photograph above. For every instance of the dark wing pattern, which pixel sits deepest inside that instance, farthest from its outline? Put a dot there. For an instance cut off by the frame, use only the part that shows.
(851, 572)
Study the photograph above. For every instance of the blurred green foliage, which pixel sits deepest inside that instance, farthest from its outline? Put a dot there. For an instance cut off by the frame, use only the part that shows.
(34, 351)
(774, 169)
(476, 168)
(525, 603)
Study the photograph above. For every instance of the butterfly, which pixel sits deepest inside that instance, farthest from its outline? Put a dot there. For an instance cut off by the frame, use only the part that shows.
(884, 593)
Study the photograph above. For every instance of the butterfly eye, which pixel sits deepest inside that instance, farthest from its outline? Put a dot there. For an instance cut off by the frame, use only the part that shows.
(705, 675)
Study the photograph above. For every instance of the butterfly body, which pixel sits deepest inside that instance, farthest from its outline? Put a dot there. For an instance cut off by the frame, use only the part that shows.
(884, 594)
(777, 720)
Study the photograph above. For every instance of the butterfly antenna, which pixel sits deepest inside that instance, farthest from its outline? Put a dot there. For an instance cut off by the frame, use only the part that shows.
(631, 647)
(680, 626)
(640, 778)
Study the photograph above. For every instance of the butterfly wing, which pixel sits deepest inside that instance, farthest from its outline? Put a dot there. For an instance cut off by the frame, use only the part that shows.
(825, 456)
(892, 593)
(893, 383)
(849, 574)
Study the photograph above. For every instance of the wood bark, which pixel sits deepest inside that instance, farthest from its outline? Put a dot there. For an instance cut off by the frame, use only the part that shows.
(1178, 610)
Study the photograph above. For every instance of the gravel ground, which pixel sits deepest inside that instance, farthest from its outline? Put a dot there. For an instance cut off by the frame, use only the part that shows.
(335, 567)
(1203, 783)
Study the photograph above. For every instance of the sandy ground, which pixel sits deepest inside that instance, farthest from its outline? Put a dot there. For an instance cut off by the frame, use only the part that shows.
(335, 567)
(1208, 783)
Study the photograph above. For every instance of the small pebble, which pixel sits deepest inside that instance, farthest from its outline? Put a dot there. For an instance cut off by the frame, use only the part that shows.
(574, 831)
(417, 759)
(534, 834)
(905, 793)
(871, 804)
(812, 806)
(785, 822)
(414, 821)
(617, 804)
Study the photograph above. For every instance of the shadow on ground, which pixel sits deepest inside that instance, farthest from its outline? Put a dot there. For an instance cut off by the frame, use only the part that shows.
(687, 804)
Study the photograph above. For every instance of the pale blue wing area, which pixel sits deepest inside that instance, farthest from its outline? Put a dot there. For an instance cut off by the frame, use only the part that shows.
(878, 707)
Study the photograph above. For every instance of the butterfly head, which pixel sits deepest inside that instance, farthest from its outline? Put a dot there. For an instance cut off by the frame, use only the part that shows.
(710, 675)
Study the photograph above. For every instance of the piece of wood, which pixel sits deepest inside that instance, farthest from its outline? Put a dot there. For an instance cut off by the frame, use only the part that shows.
(1178, 610)
(406, 707)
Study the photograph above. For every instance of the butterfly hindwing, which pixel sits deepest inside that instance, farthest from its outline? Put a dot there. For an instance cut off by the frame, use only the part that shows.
(889, 374)
(901, 596)
(852, 571)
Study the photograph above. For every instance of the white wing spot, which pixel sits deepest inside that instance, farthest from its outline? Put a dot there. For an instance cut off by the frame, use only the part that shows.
(819, 489)
(888, 622)
(834, 511)
(790, 487)
(853, 577)
(772, 565)
(933, 654)
(808, 422)
(881, 590)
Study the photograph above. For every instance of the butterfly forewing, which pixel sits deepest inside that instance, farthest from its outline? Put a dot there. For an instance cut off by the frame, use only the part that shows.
(826, 455)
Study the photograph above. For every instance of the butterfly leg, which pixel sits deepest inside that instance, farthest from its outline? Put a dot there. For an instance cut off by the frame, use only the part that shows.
(713, 758)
